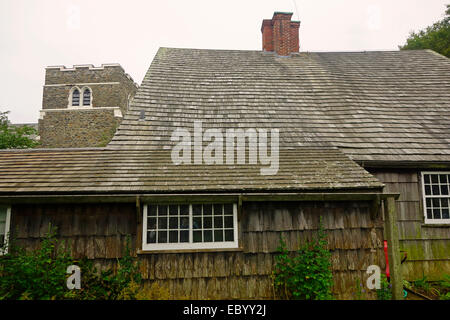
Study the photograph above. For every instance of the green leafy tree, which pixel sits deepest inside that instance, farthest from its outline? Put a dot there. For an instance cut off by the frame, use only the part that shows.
(12, 137)
(435, 37)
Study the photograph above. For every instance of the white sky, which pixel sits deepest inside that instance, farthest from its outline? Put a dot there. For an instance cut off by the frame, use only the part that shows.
(35, 34)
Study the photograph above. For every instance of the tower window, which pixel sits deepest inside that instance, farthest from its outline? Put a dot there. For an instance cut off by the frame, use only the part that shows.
(76, 97)
(86, 97)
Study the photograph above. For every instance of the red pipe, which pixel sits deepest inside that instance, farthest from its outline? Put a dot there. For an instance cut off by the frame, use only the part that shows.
(387, 260)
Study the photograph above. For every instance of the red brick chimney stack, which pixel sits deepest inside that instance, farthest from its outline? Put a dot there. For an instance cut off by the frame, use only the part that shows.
(280, 34)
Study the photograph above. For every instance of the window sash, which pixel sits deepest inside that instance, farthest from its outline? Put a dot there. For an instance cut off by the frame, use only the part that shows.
(432, 196)
(76, 97)
(86, 97)
(191, 244)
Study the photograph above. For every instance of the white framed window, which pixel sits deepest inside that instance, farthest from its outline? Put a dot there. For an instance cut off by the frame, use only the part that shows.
(5, 220)
(75, 98)
(436, 196)
(190, 226)
(87, 97)
(80, 98)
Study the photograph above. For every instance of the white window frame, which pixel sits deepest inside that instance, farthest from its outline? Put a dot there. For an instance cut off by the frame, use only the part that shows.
(188, 245)
(81, 101)
(7, 228)
(424, 198)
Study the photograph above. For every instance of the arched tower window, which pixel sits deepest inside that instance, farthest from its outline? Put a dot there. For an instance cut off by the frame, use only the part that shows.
(76, 97)
(87, 97)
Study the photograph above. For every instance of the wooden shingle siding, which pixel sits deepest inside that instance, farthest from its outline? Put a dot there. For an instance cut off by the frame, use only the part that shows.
(99, 233)
(428, 247)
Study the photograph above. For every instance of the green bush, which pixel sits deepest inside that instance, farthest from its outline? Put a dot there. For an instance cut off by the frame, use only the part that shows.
(306, 275)
(385, 292)
(41, 275)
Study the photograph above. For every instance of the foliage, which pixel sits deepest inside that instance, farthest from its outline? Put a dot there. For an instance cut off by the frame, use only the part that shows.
(385, 292)
(445, 284)
(306, 275)
(41, 274)
(422, 283)
(12, 137)
(360, 293)
(435, 37)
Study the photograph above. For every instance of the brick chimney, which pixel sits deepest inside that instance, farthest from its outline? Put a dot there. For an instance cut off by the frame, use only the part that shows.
(280, 34)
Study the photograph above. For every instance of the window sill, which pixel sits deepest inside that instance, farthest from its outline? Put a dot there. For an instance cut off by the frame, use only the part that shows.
(437, 225)
(139, 252)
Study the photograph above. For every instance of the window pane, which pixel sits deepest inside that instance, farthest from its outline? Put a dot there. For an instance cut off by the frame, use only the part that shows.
(434, 178)
(162, 210)
(197, 209)
(228, 209)
(152, 210)
(162, 222)
(197, 235)
(229, 235)
(207, 236)
(184, 210)
(162, 236)
(444, 189)
(436, 213)
(151, 223)
(443, 178)
(173, 236)
(218, 222)
(151, 236)
(76, 98)
(207, 209)
(444, 202)
(184, 223)
(228, 222)
(207, 222)
(426, 178)
(436, 203)
(184, 236)
(86, 97)
(445, 213)
(218, 235)
(435, 189)
(218, 209)
(173, 222)
(173, 210)
(428, 202)
(427, 190)
(429, 214)
(197, 222)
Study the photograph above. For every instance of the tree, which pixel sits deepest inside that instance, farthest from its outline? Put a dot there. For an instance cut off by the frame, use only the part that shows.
(12, 137)
(435, 37)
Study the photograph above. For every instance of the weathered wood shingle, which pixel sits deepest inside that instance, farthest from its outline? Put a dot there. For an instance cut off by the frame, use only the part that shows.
(132, 171)
(390, 106)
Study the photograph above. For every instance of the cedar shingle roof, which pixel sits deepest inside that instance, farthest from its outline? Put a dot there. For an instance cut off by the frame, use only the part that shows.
(368, 105)
(391, 106)
(133, 171)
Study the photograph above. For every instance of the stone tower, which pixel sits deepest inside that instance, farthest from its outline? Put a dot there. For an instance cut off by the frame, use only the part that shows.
(82, 106)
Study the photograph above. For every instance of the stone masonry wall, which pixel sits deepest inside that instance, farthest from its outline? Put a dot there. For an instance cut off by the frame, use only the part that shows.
(77, 128)
(89, 127)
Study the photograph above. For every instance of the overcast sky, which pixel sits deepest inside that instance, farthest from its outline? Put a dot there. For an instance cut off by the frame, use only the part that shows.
(36, 34)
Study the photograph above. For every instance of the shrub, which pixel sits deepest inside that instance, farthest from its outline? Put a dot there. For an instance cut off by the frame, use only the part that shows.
(39, 274)
(306, 275)
(385, 292)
